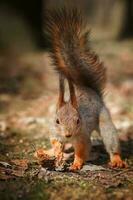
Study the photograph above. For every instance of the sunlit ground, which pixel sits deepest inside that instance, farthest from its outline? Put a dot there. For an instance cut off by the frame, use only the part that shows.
(27, 105)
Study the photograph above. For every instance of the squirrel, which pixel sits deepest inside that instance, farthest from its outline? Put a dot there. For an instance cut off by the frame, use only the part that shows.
(85, 111)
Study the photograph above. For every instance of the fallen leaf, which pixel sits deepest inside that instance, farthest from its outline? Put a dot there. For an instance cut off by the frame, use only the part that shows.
(21, 163)
(44, 174)
(18, 173)
(5, 173)
(91, 167)
(41, 155)
(5, 164)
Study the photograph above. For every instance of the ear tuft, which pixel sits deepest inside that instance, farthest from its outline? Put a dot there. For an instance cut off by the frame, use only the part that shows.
(72, 95)
(61, 92)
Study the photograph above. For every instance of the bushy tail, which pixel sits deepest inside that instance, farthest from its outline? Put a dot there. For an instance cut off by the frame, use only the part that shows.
(70, 49)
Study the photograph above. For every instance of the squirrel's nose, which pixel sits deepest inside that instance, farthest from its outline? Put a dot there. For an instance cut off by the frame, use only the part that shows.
(68, 135)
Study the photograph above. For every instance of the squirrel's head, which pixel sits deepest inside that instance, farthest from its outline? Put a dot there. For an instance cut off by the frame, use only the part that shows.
(68, 121)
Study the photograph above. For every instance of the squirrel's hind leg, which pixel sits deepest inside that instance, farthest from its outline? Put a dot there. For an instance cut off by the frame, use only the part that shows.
(110, 138)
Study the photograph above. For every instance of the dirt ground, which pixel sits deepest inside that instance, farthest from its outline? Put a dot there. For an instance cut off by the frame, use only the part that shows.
(25, 124)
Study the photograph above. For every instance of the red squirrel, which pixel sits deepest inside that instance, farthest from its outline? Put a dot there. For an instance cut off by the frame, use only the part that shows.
(86, 75)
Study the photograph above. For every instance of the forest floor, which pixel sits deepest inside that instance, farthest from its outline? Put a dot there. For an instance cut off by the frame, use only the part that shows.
(27, 108)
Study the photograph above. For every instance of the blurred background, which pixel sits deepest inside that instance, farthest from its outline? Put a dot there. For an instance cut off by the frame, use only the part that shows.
(21, 33)
(26, 70)
(28, 95)
(21, 22)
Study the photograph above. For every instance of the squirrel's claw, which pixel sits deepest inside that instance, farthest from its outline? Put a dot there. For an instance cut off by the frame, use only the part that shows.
(116, 161)
(75, 166)
(120, 164)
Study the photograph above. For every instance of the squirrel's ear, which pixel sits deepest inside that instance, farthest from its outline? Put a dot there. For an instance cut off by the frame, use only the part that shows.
(72, 94)
(61, 92)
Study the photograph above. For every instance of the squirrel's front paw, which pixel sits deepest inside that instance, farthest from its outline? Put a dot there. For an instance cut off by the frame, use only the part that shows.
(116, 161)
(75, 166)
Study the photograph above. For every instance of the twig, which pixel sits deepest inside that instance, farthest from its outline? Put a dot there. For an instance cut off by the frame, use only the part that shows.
(122, 172)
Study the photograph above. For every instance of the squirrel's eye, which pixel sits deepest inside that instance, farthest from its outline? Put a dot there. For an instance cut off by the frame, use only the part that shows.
(78, 121)
(57, 121)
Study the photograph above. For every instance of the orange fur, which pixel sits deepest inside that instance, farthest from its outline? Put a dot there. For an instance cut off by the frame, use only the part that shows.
(116, 161)
(81, 155)
(59, 58)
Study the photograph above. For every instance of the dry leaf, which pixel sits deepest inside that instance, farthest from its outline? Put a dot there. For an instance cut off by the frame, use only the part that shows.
(5, 164)
(21, 163)
(5, 173)
(18, 173)
(41, 155)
